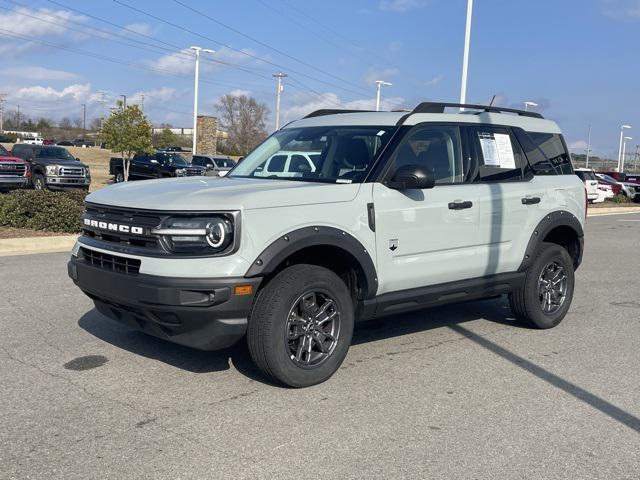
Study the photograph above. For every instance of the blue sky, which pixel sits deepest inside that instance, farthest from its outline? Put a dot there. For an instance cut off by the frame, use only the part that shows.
(576, 59)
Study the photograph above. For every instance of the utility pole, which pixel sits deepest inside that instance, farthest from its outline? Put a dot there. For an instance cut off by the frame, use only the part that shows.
(18, 116)
(142, 102)
(635, 159)
(102, 103)
(279, 89)
(588, 148)
(379, 84)
(84, 117)
(3, 96)
(195, 96)
(124, 102)
(465, 57)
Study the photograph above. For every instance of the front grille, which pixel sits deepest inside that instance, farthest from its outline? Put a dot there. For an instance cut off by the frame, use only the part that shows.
(130, 266)
(193, 171)
(119, 216)
(12, 169)
(71, 172)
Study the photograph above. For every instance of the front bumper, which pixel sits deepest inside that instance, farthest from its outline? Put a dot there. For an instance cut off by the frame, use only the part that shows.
(13, 182)
(67, 182)
(202, 313)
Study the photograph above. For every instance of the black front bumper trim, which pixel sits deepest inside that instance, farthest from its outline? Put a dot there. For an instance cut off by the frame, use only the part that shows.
(201, 313)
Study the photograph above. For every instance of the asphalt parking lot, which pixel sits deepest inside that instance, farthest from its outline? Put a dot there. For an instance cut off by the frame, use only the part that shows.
(455, 392)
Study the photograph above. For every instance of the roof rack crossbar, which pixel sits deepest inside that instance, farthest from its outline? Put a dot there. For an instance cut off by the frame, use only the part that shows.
(437, 107)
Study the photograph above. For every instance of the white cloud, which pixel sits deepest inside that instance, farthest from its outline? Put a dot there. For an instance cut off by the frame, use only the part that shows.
(37, 73)
(151, 97)
(183, 62)
(76, 92)
(21, 21)
(434, 81)
(142, 28)
(238, 92)
(622, 9)
(578, 146)
(399, 5)
(386, 74)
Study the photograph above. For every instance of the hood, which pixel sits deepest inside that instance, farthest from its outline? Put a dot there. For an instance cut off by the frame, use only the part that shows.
(9, 158)
(58, 161)
(215, 193)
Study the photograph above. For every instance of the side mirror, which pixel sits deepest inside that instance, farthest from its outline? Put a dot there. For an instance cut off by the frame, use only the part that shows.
(410, 177)
(78, 159)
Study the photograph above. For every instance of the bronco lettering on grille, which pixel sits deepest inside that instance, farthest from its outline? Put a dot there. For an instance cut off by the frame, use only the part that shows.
(114, 227)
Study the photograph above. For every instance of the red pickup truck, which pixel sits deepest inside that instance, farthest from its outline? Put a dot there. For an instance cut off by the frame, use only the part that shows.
(14, 171)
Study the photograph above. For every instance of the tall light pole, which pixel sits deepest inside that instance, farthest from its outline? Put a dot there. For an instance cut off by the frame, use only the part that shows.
(588, 148)
(124, 102)
(624, 148)
(195, 95)
(379, 84)
(3, 96)
(529, 104)
(465, 57)
(279, 89)
(622, 127)
(84, 117)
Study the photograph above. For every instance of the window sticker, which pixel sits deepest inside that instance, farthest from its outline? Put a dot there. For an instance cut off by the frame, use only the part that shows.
(497, 150)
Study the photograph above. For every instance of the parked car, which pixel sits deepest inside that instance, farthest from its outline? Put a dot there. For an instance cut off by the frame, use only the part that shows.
(53, 167)
(588, 176)
(400, 215)
(14, 171)
(81, 142)
(624, 177)
(290, 164)
(616, 187)
(49, 141)
(628, 189)
(172, 149)
(65, 143)
(605, 192)
(33, 140)
(216, 165)
(160, 164)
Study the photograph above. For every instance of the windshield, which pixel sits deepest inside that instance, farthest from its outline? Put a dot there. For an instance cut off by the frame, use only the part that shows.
(173, 159)
(607, 178)
(53, 152)
(316, 154)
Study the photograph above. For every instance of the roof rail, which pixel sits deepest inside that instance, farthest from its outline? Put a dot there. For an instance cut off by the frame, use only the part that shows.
(328, 111)
(436, 107)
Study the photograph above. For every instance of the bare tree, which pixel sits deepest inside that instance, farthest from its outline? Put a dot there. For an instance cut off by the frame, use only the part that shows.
(244, 119)
(77, 122)
(65, 123)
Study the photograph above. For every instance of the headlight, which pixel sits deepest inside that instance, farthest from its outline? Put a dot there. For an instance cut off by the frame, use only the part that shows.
(206, 235)
(52, 170)
(87, 172)
(180, 172)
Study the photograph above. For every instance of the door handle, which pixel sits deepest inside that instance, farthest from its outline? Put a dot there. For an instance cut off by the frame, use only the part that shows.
(460, 205)
(530, 200)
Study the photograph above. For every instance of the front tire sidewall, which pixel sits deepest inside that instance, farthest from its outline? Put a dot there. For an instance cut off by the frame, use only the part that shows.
(39, 183)
(119, 177)
(535, 314)
(272, 308)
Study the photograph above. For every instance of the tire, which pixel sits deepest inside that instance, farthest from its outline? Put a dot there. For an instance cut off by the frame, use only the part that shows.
(279, 336)
(542, 284)
(39, 183)
(119, 177)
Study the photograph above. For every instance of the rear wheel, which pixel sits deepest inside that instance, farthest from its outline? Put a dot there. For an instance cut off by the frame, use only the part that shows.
(300, 326)
(545, 297)
(119, 177)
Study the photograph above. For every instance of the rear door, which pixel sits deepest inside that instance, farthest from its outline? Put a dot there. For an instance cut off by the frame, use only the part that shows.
(508, 199)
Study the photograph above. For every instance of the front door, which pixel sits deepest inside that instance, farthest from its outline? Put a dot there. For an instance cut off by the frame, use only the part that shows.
(427, 237)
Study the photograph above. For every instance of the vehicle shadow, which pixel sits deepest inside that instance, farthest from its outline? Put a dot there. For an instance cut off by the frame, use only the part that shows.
(196, 361)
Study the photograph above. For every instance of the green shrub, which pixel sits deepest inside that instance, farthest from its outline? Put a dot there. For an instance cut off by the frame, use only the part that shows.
(620, 199)
(42, 210)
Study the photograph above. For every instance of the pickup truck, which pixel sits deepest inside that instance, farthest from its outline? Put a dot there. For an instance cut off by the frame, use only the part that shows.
(155, 165)
(14, 171)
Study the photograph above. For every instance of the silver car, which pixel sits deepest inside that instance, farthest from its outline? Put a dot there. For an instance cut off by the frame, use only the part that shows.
(216, 165)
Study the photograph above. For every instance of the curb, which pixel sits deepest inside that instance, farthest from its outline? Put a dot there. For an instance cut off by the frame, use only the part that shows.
(595, 212)
(31, 245)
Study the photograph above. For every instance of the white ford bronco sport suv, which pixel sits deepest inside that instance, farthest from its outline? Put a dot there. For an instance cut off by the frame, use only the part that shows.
(403, 210)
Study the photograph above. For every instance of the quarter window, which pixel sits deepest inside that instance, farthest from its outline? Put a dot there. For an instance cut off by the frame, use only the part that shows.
(549, 155)
(436, 148)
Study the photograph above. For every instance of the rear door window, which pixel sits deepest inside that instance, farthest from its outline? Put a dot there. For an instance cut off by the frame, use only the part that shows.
(498, 155)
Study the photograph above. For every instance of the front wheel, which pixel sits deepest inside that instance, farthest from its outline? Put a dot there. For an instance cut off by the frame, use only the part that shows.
(300, 326)
(39, 182)
(119, 177)
(545, 297)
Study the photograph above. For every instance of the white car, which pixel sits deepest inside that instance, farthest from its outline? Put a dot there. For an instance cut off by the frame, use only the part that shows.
(386, 212)
(33, 140)
(588, 176)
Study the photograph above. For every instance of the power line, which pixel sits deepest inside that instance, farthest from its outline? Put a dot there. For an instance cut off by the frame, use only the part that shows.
(185, 29)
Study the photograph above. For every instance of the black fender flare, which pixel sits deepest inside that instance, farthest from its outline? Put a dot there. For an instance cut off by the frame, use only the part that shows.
(296, 240)
(559, 218)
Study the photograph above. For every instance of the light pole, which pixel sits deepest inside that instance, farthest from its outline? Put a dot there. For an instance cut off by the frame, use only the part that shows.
(279, 90)
(529, 104)
(622, 127)
(588, 148)
(84, 117)
(124, 102)
(195, 95)
(624, 148)
(465, 57)
(379, 84)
